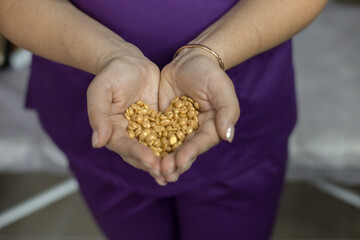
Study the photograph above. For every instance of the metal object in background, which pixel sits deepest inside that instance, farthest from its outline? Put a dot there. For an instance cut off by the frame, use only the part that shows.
(38, 202)
(337, 192)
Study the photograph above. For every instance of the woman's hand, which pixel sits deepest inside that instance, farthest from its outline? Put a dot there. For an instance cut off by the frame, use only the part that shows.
(196, 73)
(121, 82)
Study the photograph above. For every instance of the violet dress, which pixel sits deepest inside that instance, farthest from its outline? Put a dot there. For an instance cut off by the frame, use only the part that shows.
(245, 176)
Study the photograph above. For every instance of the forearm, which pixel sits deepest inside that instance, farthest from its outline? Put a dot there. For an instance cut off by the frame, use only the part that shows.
(254, 26)
(57, 30)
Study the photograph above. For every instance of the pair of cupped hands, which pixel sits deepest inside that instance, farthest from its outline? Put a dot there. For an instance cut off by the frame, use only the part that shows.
(125, 79)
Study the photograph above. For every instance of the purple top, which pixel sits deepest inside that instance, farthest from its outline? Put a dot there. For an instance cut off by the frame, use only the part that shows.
(264, 86)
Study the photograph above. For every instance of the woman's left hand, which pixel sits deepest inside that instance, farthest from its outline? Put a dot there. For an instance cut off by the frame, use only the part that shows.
(196, 74)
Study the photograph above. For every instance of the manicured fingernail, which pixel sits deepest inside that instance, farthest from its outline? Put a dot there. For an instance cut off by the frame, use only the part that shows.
(230, 133)
(173, 177)
(161, 183)
(94, 139)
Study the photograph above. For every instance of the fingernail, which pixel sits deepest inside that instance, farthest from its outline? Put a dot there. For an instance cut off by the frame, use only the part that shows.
(94, 139)
(230, 133)
(173, 177)
(161, 183)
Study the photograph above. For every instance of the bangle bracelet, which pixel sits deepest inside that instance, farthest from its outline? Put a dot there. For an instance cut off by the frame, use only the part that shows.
(221, 63)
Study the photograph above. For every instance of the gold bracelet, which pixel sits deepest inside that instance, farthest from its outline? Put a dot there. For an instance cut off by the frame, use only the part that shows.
(221, 63)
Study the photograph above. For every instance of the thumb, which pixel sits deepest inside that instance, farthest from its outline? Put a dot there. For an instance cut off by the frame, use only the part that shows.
(99, 100)
(223, 97)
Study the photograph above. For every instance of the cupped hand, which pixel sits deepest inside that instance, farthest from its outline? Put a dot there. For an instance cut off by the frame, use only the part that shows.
(121, 82)
(196, 74)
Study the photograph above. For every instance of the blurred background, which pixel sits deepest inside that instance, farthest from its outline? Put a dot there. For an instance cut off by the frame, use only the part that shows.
(321, 199)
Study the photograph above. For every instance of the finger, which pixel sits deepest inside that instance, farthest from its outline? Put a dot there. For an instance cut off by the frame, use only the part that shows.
(168, 165)
(99, 99)
(205, 138)
(181, 171)
(158, 178)
(130, 148)
(168, 168)
(135, 163)
(223, 97)
(173, 177)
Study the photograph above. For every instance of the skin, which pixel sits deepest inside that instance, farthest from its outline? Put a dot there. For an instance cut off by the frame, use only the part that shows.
(199, 77)
(122, 82)
(249, 28)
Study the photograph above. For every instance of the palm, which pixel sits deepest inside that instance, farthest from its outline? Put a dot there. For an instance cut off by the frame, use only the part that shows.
(113, 90)
(195, 79)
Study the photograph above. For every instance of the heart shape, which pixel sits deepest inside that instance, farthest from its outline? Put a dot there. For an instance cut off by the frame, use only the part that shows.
(163, 132)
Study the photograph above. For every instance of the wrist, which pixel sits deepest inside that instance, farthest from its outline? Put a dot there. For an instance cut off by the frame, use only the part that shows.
(199, 53)
(119, 52)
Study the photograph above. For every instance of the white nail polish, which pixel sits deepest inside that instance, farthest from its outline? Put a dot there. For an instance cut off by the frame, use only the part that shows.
(95, 138)
(228, 133)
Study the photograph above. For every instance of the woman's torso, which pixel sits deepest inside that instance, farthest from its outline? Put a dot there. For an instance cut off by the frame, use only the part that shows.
(264, 86)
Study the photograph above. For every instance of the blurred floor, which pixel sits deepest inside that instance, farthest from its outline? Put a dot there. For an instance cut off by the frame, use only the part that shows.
(305, 213)
(66, 219)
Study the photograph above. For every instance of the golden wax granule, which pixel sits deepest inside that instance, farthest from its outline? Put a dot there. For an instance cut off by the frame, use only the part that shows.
(163, 132)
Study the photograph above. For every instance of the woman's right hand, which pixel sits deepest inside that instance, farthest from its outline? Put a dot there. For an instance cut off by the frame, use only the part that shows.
(122, 81)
